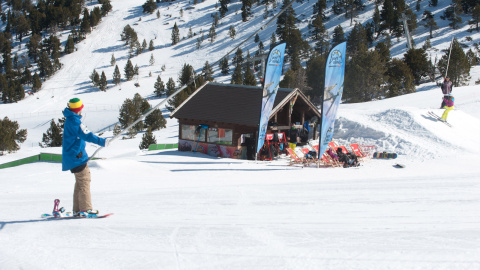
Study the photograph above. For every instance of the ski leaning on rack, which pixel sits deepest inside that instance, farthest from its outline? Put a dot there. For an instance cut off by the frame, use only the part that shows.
(432, 114)
(59, 213)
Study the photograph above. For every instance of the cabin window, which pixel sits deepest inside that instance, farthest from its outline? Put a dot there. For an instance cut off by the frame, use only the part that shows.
(220, 136)
(188, 133)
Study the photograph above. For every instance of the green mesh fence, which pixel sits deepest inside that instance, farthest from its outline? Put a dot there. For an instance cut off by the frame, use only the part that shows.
(36, 158)
(163, 146)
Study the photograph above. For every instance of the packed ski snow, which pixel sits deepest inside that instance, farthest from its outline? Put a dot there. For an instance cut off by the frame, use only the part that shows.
(185, 210)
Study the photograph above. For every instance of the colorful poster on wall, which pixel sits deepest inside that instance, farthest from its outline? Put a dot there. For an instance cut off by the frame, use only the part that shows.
(273, 71)
(332, 95)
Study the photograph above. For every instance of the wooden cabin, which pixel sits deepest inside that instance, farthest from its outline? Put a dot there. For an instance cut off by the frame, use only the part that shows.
(222, 119)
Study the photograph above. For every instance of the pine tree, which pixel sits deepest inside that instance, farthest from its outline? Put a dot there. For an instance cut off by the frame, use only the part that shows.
(238, 58)
(155, 120)
(249, 78)
(186, 74)
(117, 76)
(257, 38)
(170, 86)
(159, 87)
(129, 35)
(338, 36)
(147, 139)
(429, 22)
(116, 129)
(296, 79)
(224, 67)
(129, 113)
(102, 85)
(237, 76)
(34, 47)
(151, 47)
(113, 60)
(316, 76)
(170, 90)
(149, 7)
(223, 7)
(246, 9)
(19, 91)
(452, 13)
(54, 135)
(152, 60)
(10, 135)
(400, 79)
(273, 41)
(387, 15)
(319, 34)
(364, 77)
(475, 17)
(175, 34)
(129, 70)
(37, 82)
(357, 40)
(70, 45)
(417, 61)
(212, 34)
(351, 9)
(384, 51)
(45, 65)
(231, 32)
(458, 67)
(85, 24)
(207, 72)
(94, 77)
(377, 19)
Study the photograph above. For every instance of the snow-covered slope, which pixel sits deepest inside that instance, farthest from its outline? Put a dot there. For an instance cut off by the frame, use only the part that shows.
(182, 210)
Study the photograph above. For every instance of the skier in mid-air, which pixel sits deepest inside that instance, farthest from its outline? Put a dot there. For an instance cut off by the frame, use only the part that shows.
(75, 158)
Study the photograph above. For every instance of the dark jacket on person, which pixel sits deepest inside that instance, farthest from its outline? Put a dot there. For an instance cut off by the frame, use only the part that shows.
(447, 87)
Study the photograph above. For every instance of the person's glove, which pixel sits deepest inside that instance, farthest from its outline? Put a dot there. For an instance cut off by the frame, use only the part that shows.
(107, 141)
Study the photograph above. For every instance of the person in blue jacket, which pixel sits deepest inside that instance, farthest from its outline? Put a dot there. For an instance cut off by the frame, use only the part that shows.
(74, 156)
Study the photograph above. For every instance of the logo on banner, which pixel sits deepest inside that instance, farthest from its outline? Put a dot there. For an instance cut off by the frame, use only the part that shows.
(275, 58)
(336, 59)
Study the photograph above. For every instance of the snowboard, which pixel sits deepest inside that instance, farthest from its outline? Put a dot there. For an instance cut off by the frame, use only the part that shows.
(398, 165)
(384, 155)
(438, 118)
(59, 213)
(70, 216)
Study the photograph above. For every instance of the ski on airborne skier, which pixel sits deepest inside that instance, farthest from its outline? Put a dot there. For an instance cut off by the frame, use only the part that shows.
(438, 118)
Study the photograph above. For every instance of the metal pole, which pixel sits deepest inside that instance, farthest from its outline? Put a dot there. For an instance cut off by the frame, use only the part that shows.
(449, 54)
(193, 80)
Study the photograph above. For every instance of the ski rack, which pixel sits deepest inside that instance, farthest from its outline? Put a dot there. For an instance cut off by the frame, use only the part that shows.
(191, 81)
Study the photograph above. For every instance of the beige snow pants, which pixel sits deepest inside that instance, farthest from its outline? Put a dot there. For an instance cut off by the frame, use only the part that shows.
(82, 199)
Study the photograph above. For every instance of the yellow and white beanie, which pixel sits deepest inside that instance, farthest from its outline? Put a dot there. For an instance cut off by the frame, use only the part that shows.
(75, 105)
